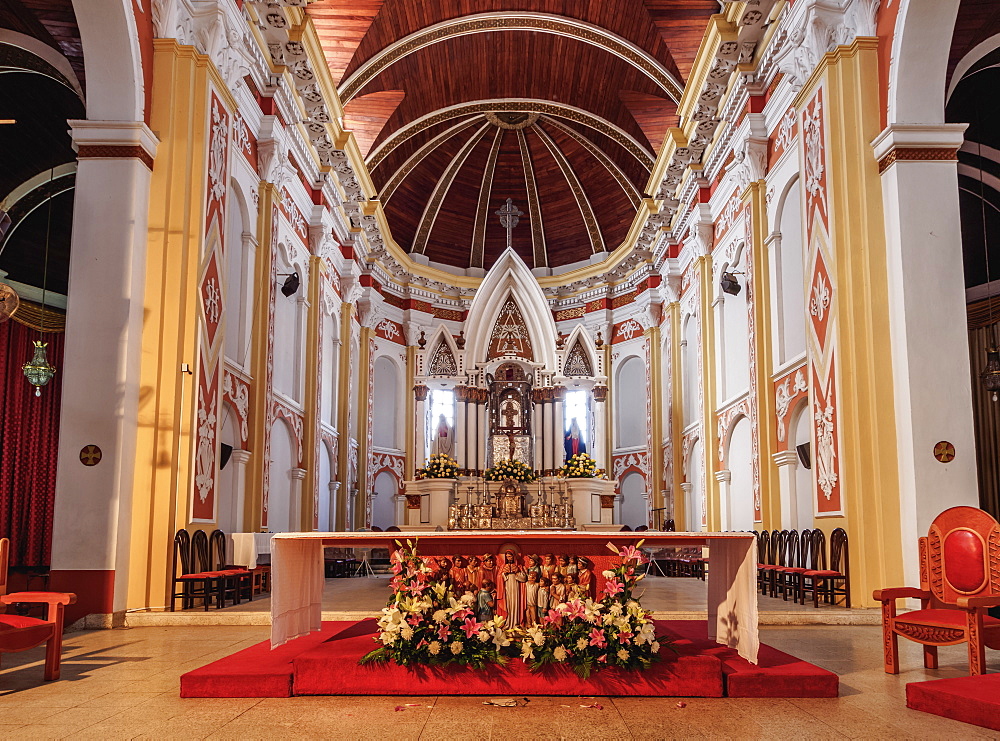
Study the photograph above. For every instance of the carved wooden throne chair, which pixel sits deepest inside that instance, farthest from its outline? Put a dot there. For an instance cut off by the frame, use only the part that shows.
(959, 581)
(19, 633)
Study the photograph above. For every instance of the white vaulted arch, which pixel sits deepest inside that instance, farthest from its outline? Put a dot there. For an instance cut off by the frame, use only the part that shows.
(510, 277)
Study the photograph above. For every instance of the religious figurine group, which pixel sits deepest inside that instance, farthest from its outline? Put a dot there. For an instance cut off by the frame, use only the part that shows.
(520, 591)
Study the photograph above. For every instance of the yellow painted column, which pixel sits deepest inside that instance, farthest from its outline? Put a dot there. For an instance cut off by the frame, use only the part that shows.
(344, 413)
(656, 417)
(310, 433)
(676, 414)
(254, 502)
(763, 399)
(363, 402)
(163, 481)
(410, 410)
(869, 470)
(709, 394)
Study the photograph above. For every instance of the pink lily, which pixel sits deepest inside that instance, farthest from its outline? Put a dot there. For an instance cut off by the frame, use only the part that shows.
(574, 609)
(471, 627)
(554, 617)
(629, 552)
(612, 587)
(443, 630)
(463, 613)
(597, 638)
(413, 588)
(415, 620)
(625, 637)
(602, 658)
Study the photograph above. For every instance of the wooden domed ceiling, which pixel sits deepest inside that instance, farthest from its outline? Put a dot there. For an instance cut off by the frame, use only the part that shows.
(560, 106)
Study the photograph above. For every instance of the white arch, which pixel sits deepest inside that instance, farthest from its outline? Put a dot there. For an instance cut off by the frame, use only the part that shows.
(581, 335)
(979, 51)
(920, 49)
(44, 52)
(112, 59)
(510, 276)
(443, 334)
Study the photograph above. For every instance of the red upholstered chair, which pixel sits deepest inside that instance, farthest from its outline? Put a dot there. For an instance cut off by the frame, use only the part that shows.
(238, 579)
(20, 633)
(192, 583)
(836, 580)
(959, 581)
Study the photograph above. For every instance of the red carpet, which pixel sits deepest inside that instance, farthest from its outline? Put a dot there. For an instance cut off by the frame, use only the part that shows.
(325, 663)
(974, 700)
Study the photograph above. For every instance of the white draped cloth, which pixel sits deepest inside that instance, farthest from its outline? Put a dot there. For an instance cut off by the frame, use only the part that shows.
(247, 547)
(296, 587)
(732, 595)
(297, 584)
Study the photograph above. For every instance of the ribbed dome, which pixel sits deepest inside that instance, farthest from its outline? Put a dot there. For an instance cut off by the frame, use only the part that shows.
(578, 188)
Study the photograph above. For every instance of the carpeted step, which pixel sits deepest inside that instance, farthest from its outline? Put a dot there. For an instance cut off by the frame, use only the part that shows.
(258, 671)
(974, 700)
(776, 673)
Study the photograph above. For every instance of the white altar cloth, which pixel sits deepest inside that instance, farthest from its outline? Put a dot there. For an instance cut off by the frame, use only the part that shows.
(297, 574)
(247, 547)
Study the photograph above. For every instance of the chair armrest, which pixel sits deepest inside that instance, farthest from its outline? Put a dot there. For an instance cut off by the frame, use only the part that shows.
(48, 598)
(884, 595)
(972, 603)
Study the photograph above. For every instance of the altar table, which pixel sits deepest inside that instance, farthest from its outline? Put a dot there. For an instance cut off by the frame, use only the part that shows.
(297, 571)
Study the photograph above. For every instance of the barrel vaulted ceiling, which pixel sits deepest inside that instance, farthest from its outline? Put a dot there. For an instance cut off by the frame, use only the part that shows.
(559, 105)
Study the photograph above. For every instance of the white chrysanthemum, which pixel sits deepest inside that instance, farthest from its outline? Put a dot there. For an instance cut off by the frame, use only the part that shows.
(623, 654)
(434, 647)
(407, 633)
(467, 599)
(608, 574)
(440, 616)
(559, 654)
(633, 606)
(581, 644)
(456, 647)
(616, 608)
(483, 636)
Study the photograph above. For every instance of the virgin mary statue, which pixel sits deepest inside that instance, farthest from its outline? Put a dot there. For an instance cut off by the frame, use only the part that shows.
(574, 442)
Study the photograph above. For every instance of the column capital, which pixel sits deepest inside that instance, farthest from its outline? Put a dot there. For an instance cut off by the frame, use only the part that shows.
(600, 393)
(918, 143)
(420, 392)
(298, 473)
(241, 456)
(114, 140)
(785, 458)
(724, 476)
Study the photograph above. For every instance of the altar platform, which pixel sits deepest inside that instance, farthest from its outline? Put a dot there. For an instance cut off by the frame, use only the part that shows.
(326, 663)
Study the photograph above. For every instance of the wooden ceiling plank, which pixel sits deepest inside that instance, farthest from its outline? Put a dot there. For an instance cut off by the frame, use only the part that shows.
(534, 206)
(482, 207)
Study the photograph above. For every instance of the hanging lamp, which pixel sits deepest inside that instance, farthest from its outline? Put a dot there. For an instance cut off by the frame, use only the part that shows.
(39, 371)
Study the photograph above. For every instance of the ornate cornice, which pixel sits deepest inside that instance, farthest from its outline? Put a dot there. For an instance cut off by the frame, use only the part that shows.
(512, 21)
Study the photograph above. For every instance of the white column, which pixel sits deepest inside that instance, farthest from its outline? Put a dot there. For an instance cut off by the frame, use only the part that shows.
(600, 433)
(460, 427)
(297, 509)
(927, 319)
(240, 458)
(692, 510)
(100, 370)
(787, 462)
(481, 440)
(471, 434)
(420, 439)
(725, 478)
(538, 434)
(557, 432)
(547, 436)
(334, 489)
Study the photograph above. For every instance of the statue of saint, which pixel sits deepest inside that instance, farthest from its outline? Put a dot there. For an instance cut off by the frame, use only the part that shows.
(574, 442)
(443, 439)
(511, 577)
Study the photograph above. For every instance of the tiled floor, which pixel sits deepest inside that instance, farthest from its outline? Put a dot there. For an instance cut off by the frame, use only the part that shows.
(124, 684)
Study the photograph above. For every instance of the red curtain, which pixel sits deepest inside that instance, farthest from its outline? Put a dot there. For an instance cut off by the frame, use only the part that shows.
(29, 437)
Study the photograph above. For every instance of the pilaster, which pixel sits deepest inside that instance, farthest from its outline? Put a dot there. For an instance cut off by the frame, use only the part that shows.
(345, 503)
(313, 418)
(709, 400)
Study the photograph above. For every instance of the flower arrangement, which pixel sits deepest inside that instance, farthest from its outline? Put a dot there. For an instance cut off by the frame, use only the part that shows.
(439, 466)
(588, 635)
(514, 470)
(424, 623)
(581, 466)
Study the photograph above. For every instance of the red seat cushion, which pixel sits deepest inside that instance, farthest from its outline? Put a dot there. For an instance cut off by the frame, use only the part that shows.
(821, 572)
(13, 622)
(202, 575)
(943, 618)
(792, 569)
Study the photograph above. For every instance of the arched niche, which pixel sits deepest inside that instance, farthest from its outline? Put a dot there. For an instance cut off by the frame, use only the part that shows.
(386, 419)
(635, 500)
(282, 510)
(630, 403)
(384, 491)
(788, 276)
(441, 352)
(511, 278)
(580, 342)
(739, 507)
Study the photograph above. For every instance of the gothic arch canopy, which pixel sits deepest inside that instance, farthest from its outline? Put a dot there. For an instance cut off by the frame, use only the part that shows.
(511, 279)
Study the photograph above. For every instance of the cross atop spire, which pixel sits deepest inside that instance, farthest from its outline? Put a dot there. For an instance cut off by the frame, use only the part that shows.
(509, 215)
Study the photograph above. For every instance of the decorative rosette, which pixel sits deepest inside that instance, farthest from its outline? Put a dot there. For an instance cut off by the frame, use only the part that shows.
(511, 470)
(439, 466)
